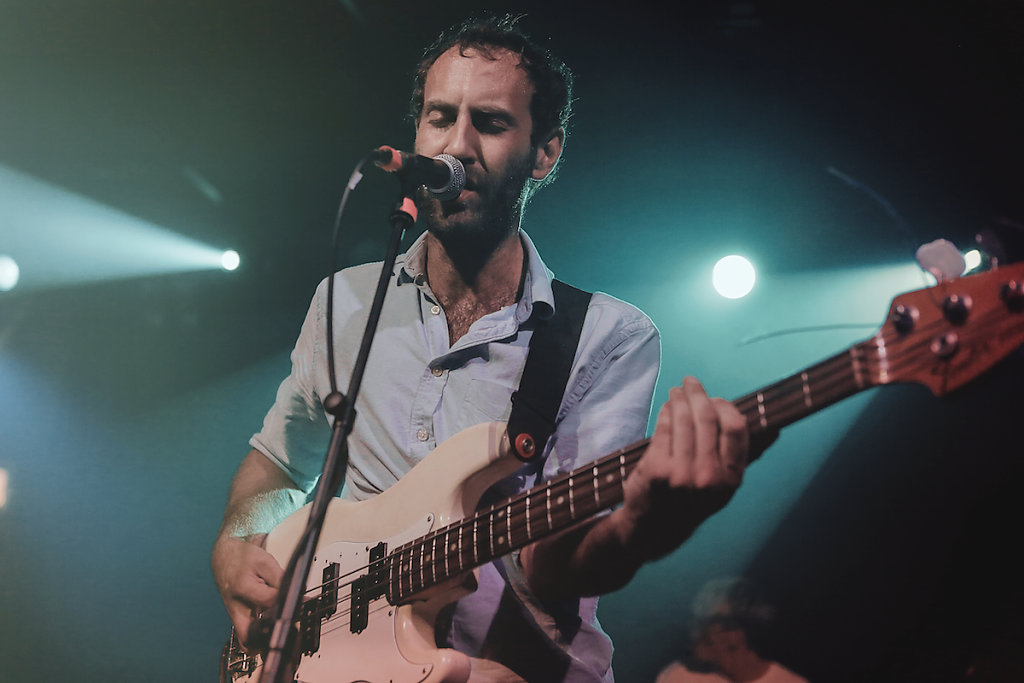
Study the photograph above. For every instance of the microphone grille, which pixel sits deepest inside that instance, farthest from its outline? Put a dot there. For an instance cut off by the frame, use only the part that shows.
(457, 181)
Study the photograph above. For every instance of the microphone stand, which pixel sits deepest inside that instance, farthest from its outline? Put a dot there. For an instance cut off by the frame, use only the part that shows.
(281, 651)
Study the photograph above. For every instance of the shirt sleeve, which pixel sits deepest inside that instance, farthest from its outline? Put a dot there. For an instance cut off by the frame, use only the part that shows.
(296, 431)
(608, 401)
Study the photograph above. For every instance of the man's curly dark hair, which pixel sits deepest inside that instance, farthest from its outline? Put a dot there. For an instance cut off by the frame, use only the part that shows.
(552, 80)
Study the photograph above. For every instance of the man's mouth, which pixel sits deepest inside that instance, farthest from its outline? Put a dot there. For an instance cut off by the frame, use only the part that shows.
(462, 196)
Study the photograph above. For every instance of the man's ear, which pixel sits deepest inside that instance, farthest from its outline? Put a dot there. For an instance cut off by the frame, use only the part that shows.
(548, 153)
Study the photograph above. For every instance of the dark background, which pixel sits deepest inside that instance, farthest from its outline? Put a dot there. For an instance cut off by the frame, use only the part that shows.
(883, 529)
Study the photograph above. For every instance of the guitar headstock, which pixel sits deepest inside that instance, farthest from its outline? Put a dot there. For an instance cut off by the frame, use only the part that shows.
(945, 336)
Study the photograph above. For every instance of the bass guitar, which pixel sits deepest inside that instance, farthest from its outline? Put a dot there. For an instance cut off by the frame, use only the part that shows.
(385, 567)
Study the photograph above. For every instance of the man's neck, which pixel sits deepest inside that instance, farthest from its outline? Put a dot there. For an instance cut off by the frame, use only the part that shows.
(469, 288)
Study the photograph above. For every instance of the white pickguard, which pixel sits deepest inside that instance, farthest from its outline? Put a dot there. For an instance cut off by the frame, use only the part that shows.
(373, 654)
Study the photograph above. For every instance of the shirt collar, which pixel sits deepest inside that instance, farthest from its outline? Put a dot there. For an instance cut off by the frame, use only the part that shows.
(411, 267)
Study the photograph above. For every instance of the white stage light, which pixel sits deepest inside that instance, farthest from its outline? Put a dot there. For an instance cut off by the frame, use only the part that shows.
(230, 260)
(9, 273)
(972, 259)
(733, 276)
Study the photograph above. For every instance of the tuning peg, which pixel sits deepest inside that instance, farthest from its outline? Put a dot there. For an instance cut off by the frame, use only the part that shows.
(956, 308)
(904, 318)
(1012, 294)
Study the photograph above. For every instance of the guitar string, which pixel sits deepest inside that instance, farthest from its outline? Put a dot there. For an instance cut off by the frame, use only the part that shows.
(901, 355)
(343, 613)
(836, 373)
(788, 394)
(828, 382)
(415, 551)
(417, 555)
(895, 359)
(466, 523)
(415, 589)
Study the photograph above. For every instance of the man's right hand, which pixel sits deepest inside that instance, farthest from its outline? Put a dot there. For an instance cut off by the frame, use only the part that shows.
(248, 578)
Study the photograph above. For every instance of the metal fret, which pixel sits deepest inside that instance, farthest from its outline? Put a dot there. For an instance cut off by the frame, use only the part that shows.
(508, 524)
(433, 559)
(447, 552)
(491, 528)
(529, 532)
(394, 577)
(572, 503)
(547, 504)
(882, 356)
(423, 581)
(858, 370)
(461, 528)
(476, 555)
(407, 569)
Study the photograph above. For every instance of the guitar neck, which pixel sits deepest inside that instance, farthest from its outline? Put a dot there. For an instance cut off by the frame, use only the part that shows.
(574, 497)
(780, 404)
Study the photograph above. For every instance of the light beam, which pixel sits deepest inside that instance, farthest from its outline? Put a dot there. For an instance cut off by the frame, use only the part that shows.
(61, 238)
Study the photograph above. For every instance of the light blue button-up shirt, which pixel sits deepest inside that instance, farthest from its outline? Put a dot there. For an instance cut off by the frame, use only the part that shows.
(419, 390)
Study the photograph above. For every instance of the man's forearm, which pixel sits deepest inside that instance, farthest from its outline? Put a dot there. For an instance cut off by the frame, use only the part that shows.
(595, 558)
(261, 496)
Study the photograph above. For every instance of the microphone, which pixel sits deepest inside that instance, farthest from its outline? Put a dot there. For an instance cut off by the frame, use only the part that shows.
(443, 175)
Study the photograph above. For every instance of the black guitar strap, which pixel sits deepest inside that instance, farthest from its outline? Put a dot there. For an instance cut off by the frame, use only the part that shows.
(552, 349)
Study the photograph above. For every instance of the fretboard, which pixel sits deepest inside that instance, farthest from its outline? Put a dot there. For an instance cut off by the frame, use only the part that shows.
(574, 497)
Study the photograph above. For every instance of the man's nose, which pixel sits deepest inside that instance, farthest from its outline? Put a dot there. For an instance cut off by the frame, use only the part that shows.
(461, 140)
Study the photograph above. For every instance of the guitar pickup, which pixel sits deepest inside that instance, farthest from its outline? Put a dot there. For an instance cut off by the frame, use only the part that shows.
(317, 610)
(367, 588)
(329, 590)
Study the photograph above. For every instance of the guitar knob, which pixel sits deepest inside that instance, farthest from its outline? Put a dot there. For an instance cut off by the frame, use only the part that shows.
(956, 308)
(1012, 294)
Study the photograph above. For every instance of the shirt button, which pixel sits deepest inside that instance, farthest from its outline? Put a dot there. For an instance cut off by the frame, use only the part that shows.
(423, 435)
(435, 309)
(437, 372)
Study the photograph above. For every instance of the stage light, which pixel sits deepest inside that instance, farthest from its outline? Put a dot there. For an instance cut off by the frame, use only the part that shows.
(9, 273)
(63, 239)
(230, 260)
(733, 277)
(972, 259)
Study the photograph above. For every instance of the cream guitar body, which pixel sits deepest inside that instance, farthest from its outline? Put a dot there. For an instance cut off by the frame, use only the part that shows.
(397, 643)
